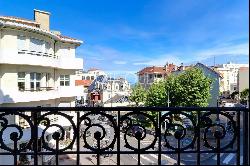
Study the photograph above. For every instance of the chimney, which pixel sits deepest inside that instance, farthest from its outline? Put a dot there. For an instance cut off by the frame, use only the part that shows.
(42, 17)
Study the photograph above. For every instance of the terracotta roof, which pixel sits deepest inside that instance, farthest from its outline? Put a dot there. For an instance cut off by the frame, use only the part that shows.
(31, 24)
(244, 68)
(66, 37)
(20, 20)
(153, 69)
(83, 82)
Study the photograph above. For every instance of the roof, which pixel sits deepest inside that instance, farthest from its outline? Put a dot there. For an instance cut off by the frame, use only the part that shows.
(20, 20)
(152, 69)
(118, 98)
(10, 21)
(212, 70)
(83, 82)
(244, 68)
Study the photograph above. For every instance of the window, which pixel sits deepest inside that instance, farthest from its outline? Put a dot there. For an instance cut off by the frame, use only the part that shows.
(35, 81)
(36, 45)
(64, 80)
(88, 78)
(21, 81)
(159, 75)
(48, 76)
(142, 79)
(47, 47)
(21, 42)
(92, 77)
(83, 77)
(150, 76)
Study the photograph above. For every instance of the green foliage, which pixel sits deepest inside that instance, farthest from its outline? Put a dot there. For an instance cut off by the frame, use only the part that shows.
(190, 88)
(244, 94)
(156, 94)
(138, 94)
(234, 94)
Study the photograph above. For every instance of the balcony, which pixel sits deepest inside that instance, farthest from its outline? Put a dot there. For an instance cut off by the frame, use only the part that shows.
(43, 93)
(26, 57)
(130, 136)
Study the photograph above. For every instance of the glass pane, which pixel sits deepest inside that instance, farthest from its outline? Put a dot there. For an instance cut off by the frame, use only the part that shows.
(21, 42)
(21, 74)
(21, 86)
(38, 76)
(32, 76)
(37, 85)
(61, 83)
(61, 77)
(66, 77)
(66, 83)
(36, 45)
(47, 47)
(47, 76)
(32, 85)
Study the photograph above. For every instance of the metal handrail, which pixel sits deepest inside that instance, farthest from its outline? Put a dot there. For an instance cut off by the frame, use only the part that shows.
(201, 122)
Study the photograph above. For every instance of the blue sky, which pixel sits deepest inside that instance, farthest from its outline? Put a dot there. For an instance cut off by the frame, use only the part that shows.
(125, 36)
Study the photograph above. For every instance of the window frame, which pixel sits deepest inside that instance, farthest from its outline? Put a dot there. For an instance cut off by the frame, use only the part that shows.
(21, 80)
(64, 81)
(36, 81)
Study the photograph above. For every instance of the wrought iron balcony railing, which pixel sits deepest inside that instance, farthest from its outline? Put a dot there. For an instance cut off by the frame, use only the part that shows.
(169, 135)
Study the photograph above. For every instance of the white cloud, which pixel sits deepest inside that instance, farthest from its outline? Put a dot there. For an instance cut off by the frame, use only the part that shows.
(226, 50)
(160, 60)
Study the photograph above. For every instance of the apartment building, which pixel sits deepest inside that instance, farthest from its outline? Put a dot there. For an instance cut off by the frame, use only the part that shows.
(37, 67)
(108, 88)
(90, 74)
(243, 79)
(84, 80)
(229, 81)
(148, 75)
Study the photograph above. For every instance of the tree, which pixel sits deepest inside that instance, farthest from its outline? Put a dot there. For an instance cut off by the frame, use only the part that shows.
(234, 95)
(156, 94)
(190, 88)
(138, 94)
(244, 94)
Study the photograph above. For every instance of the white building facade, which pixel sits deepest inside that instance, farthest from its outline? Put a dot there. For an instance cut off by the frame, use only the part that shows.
(229, 82)
(37, 66)
(109, 88)
(91, 74)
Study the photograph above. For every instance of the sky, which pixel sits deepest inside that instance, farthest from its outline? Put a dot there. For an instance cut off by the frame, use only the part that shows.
(125, 36)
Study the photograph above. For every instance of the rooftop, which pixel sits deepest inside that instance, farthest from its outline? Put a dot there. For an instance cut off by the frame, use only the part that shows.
(83, 82)
(32, 25)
